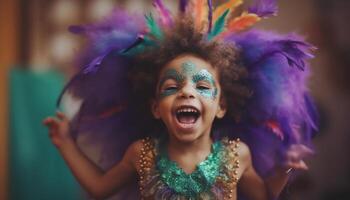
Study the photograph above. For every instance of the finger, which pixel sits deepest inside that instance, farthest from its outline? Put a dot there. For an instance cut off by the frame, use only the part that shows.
(47, 120)
(300, 165)
(51, 122)
(61, 116)
(305, 151)
(298, 151)
(292, 156)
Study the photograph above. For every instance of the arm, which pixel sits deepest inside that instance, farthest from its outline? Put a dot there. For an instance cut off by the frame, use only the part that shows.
(255, 187)
(250, 183)
(98, 183)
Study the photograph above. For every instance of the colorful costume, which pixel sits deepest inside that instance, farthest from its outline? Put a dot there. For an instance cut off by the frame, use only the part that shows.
(214, 178)
(280, 112)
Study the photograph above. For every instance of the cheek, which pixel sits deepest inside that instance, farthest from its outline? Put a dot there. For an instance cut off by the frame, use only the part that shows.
(210, 105)
(165, 105)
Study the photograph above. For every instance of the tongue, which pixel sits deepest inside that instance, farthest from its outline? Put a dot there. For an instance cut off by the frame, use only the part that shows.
(187, 119)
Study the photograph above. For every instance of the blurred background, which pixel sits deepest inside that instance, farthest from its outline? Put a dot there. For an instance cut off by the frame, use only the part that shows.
(36, 58)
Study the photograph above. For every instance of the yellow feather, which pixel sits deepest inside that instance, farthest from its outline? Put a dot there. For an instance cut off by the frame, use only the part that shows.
(242, 22)
(231, 4)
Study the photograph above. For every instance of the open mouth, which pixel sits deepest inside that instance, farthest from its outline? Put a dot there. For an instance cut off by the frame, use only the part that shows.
(187, 114)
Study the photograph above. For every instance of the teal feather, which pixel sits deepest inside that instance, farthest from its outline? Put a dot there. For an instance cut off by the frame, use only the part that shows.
(154, 29)
(146, 43)
(219, 25)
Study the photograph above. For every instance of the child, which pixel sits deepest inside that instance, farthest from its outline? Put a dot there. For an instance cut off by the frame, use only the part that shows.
(186, 89)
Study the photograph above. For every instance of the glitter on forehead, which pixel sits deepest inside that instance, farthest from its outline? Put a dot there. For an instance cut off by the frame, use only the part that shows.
(188, 68)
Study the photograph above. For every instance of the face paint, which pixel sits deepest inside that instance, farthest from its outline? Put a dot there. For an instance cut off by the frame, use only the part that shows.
(189, 71)
(205, 76)
(188, 68)
(174, 75)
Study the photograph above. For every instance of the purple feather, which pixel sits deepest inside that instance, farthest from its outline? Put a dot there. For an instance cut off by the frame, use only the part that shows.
(164, 13)
(183, 5)
(280, 94)
(95, 63)
(76, 29)
(115, 33)
(264, 8)
(101, 82)
(210, 15)
(138, 41)
(295, 51)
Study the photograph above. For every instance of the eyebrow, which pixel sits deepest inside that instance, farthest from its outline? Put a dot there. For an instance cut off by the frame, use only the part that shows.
(171, 74)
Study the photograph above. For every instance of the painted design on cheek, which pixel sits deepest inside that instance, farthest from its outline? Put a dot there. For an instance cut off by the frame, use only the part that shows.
(205, 76)
(168, 92)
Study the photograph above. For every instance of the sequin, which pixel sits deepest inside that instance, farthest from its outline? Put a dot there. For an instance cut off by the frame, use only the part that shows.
(214, 178)
(189, 185)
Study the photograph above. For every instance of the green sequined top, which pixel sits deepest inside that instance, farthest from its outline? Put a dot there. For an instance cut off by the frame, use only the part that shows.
(213, 178)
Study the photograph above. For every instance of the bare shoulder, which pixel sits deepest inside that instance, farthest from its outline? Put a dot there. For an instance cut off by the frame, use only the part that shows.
(241, 148)
(244, 156)
(137, 150)
(134, 151)
(242, 152)
(135, 147)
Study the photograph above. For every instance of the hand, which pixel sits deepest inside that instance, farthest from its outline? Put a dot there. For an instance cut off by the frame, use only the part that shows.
(294, 157)
(58, 129)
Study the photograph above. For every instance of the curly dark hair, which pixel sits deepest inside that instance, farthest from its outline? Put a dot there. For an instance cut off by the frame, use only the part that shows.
(184, 39)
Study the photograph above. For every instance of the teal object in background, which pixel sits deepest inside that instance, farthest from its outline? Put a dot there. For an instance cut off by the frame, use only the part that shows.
(37, 171)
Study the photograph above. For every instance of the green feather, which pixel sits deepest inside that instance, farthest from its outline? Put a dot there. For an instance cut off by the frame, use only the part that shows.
(219, 25)
(154, 29)
(146, 43)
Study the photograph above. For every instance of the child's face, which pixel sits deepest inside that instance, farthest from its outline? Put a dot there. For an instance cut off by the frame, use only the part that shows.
(188, 97)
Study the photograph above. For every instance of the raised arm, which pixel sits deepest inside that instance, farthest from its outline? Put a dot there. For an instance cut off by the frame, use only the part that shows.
(255, 188)
(97, 183)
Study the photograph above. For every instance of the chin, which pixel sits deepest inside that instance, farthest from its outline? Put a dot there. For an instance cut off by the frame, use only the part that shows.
(187, 137)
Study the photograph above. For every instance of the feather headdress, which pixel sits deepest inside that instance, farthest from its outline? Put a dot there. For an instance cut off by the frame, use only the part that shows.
(280, 112)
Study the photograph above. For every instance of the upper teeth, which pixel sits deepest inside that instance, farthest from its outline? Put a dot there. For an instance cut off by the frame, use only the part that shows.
(186, 110)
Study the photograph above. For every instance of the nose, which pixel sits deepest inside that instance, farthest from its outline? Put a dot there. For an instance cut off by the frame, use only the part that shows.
(187, 91)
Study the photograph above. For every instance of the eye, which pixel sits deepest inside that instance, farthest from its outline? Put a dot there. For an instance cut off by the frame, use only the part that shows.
(168, 84)
(203, 86)
(172, 87)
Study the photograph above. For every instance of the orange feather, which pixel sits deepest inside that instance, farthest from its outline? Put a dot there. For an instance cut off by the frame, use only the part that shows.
(200, 13)
(242, 22)
(231, 4)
